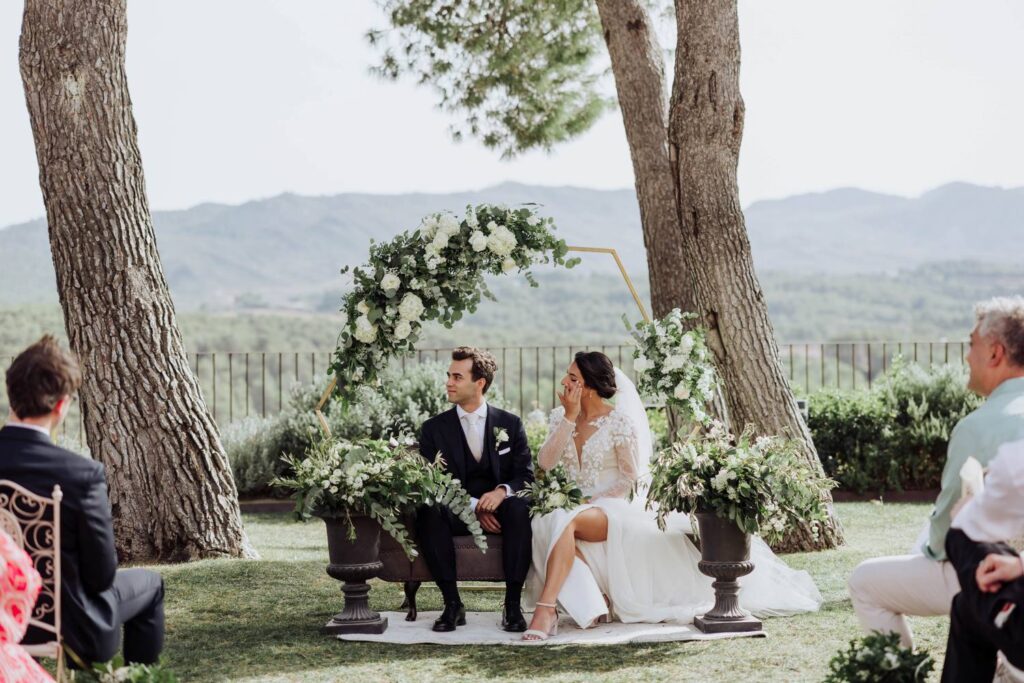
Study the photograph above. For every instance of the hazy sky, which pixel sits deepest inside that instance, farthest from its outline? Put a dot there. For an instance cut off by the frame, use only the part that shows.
(242, 99)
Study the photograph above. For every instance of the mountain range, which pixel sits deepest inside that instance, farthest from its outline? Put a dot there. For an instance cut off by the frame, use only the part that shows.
(286, 251)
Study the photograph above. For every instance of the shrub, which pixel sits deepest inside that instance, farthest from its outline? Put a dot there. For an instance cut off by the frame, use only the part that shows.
(895, 435)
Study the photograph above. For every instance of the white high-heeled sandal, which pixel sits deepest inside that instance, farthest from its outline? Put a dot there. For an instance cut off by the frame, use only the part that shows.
(539, 635)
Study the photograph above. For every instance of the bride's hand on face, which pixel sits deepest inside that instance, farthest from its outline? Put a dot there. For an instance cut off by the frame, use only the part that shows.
(570, 398)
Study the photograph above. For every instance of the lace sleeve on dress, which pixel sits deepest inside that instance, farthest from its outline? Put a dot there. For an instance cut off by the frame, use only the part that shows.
(559, 433)
(626, 448)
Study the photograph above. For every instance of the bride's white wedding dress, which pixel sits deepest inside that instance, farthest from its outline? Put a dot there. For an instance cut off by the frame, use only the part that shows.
(647, 575)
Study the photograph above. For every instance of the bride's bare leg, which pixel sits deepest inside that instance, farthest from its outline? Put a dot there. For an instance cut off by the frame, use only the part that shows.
(590, 525)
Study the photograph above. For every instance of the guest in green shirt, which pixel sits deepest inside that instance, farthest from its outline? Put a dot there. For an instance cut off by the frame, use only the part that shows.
(886, 589)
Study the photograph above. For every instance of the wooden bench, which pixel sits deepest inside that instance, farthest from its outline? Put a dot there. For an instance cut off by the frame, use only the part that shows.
(471, 564)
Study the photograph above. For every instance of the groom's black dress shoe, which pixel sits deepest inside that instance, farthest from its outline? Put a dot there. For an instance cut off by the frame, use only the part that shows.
(512, 618)
(454, 614)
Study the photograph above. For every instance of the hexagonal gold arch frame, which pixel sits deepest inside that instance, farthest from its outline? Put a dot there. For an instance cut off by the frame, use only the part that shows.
(590, 250)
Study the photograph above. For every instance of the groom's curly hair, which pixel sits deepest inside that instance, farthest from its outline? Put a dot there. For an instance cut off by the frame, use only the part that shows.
(484, 365)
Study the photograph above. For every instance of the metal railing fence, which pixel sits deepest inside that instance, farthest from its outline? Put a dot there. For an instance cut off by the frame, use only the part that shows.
(242, 384)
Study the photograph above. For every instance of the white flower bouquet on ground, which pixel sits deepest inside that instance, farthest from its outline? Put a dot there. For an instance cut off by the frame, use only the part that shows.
(380, 479)
(763, 485)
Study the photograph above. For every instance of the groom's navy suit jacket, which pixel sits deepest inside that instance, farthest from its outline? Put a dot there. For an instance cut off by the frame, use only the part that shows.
(510, 461)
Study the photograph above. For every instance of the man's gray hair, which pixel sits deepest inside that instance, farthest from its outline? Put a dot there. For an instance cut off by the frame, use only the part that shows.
(1003, 319)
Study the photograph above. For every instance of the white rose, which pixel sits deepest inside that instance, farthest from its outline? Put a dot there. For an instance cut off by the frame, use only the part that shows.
(682, 391)
(428, 227)
(411, 307)
(533, 220)
(674, 363)
(403, 329)
(507, 265)
(641, 364)
(440, 241)
(501, 241)
(471, 220)
(557, 499)
(449, 225)
(478, 241)
(491, 226)
(686, 344)
(390, 282)
(363, 307)
(366, 331)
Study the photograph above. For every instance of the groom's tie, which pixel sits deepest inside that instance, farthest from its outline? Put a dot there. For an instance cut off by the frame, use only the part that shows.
(472, 436)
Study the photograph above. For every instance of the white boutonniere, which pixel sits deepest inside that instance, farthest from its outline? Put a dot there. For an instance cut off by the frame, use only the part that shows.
(500, 436)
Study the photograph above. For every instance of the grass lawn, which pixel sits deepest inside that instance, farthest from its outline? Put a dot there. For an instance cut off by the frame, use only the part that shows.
(257, 621)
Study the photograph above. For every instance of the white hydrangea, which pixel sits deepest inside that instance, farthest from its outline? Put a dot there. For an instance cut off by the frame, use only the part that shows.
(390, 282)
(411, 307)
(508, 265)
(641, 364)
(471, 219)
(478, 241)
(682, 391)
(501, 241)
(721, 480)
(403, 329)
(366, 331)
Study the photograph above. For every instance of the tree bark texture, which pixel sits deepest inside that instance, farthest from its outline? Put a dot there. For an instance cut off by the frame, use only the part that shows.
(638, 65)
(705, 129)
(170, 484)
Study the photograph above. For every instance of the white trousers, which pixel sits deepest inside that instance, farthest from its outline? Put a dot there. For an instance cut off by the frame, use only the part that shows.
(885, 589)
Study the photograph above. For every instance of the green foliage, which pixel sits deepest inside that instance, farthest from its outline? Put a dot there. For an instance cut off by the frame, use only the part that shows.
(894, 436)
(764, 485)
(371, 477)
(405, 399)
(115, 671)
(879, 658)
(523, 74)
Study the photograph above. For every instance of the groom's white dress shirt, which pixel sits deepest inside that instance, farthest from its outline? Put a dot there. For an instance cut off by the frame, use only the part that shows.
(473, 425)
(997, 512)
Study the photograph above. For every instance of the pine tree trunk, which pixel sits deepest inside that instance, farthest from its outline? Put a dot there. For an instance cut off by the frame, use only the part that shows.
(638, 65)
(705, 129)
(171, 489)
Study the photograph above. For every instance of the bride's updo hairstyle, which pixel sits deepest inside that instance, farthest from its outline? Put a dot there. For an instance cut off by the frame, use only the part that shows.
(597, 371)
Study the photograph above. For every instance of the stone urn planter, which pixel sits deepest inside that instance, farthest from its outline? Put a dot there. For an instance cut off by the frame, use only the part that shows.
(353, 563)
(725, 556)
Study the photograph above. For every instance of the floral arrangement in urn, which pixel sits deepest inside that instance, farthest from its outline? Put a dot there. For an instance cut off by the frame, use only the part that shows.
(672, 361)
(879, 658)
(434, 273)
(763, 485)
(376, 478)
(552, 490)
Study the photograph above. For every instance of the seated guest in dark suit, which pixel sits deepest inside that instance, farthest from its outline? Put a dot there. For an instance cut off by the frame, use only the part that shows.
(97, 598)
(988, 614)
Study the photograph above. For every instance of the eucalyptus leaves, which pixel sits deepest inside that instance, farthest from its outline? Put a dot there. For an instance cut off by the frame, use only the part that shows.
(434, 273)
(376, 478)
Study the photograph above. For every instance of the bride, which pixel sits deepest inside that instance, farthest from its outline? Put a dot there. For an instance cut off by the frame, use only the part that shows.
(607, 558)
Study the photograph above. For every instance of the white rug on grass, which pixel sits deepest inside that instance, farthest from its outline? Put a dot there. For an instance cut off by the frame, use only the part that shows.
(484, 628)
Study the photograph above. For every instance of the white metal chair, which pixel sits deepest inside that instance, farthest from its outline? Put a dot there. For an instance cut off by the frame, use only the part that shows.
(34, 523)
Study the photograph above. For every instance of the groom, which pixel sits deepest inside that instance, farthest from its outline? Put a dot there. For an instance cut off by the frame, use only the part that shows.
(486, 449)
